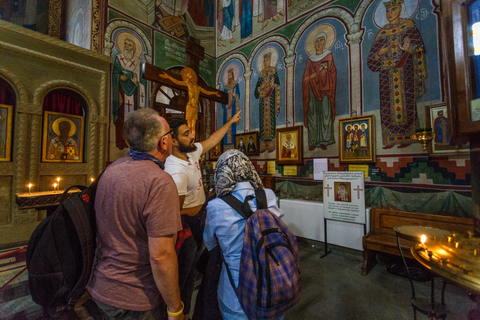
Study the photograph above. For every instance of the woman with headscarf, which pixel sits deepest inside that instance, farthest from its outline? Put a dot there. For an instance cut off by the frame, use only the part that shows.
(236, 175)
(319, 85)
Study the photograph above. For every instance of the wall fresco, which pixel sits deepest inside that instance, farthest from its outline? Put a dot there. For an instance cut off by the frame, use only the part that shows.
(321, 81)
(79, 23)
(232, 81)
(268, 87)
(240, 21)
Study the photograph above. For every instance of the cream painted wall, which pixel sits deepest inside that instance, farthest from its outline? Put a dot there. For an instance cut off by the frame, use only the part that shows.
(35, 64)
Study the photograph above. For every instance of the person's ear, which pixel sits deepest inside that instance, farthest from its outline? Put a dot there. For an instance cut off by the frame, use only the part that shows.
(174, 142)
(162, 144)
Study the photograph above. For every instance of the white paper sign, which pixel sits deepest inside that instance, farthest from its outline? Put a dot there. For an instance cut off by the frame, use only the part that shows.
(344, 196)
(320, 165)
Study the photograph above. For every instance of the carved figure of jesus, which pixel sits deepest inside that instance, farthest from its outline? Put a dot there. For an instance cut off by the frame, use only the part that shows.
(189, 78)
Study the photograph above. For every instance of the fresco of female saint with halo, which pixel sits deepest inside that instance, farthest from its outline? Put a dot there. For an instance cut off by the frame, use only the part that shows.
(319, 85)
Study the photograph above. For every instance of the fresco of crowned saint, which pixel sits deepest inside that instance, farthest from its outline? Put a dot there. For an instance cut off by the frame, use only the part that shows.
(319, 86)
(267, 91)
(129, 89)
(398, 55)
(442, 136)
(233, 106)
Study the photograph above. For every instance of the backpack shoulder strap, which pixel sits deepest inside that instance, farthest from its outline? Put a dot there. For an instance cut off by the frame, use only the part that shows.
(238, 206)
(244, 208)
(261, 199)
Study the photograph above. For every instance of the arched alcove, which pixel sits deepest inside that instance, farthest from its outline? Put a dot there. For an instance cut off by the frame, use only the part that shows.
(7, 93)
(64, 115)
(7, 110)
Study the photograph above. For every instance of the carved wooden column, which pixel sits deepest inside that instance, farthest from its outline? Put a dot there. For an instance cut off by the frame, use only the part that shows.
(98, 25)
(56, 22)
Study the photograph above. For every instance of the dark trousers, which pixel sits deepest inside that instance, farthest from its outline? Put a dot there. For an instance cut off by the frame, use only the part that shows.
(110, 312)
(187, 259)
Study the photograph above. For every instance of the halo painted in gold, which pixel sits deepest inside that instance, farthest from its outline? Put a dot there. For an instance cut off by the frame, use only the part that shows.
(56, 123)
(121, 40)
(364, 124)
(328, 30)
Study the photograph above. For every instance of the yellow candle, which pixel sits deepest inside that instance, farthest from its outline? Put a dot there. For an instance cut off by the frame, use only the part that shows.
(54, 187)
(29, 186)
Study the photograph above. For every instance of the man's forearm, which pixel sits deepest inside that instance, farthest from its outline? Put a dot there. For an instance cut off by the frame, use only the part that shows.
(215, 137)
(220, 133)
(165, 273)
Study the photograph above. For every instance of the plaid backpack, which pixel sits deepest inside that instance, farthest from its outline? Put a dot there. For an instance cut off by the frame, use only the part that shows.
(269, 276)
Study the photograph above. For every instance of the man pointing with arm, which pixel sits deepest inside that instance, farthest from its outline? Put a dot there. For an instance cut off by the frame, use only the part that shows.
(184, 166)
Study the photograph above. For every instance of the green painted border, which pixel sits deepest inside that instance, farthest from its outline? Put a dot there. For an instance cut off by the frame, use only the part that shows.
(171, 53)
(351, 5)
(113, 15)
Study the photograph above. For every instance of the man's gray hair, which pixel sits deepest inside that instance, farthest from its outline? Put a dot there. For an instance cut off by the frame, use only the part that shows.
(142, 130)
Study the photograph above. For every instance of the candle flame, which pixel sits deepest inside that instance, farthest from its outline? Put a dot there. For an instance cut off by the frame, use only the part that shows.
(423, 238)
(91, 179)
(58, 179)
(29, 185)
(54, 185)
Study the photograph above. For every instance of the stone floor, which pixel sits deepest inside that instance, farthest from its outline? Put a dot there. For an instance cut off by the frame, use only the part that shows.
(332, 289)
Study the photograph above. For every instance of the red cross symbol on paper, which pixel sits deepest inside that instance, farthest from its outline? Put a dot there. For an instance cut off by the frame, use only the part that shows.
(328, 189)
(122, 59)
(132, 63)
(358, 191)
(129, 105)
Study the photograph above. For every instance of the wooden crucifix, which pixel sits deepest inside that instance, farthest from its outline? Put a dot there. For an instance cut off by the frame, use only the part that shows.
(187, 82)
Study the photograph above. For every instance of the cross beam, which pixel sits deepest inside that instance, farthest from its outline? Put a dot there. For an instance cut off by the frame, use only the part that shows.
(152, 73)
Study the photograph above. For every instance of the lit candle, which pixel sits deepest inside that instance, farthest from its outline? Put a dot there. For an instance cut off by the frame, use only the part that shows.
(29, 186)
(423, 238)
(54, 187)
(92, 179)
(457, 244)
(58, 181)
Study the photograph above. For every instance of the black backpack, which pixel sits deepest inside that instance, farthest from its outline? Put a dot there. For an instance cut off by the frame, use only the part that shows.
(61, 250)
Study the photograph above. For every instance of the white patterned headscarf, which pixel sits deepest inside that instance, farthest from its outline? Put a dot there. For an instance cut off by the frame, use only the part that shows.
(233, 166)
